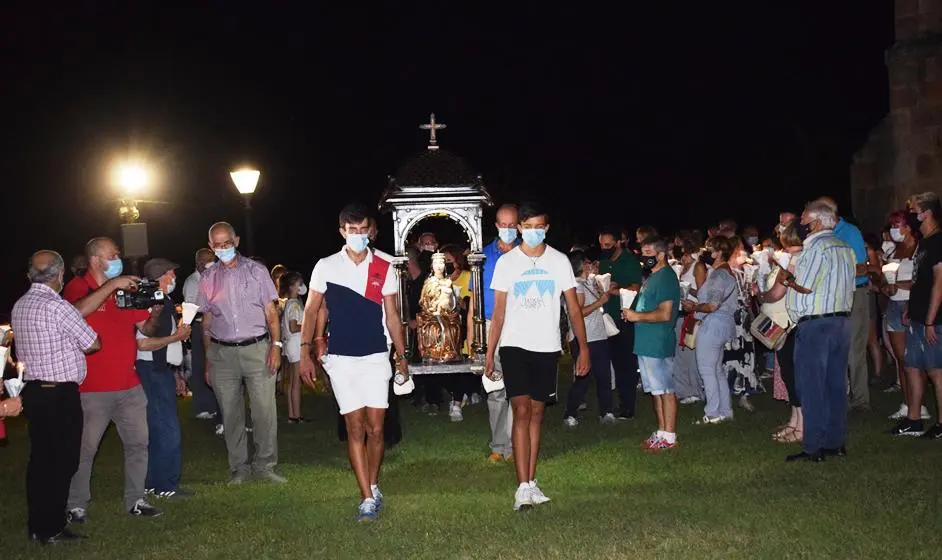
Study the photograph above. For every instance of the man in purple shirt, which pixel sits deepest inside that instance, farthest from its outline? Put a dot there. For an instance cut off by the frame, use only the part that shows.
(242, 338)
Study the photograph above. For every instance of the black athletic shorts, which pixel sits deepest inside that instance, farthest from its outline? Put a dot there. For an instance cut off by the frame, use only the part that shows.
(529, 373)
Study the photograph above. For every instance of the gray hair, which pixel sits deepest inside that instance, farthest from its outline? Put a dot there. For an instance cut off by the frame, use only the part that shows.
(222, 225)
(659, 244)
(823, 212)
(50, 273)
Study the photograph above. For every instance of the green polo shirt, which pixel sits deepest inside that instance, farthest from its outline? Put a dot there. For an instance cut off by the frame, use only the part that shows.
(657, 340)
(625, 270)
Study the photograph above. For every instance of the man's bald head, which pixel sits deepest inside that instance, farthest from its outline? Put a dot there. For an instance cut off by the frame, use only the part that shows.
(102, 247)
(46, 267)
(222, 236)
(507, 216)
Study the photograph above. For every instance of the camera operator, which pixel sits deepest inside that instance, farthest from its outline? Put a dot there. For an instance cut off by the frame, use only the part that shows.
(112, 390)
(155, 355)
(52, 338)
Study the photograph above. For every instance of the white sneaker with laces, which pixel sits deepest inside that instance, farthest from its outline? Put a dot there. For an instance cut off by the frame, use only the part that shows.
(608, 419)
(523, 498)
(903, 412)
(570, 422)
(454, 412)
(536, 495)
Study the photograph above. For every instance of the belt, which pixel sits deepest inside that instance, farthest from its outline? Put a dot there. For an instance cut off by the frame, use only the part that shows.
(43, 383)
(824, 316)
(240, 343)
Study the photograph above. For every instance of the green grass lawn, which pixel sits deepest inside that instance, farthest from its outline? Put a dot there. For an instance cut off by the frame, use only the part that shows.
(725, 493)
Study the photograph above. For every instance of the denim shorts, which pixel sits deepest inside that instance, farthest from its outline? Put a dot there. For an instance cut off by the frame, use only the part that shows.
(894, 316)
(657, 375)
(919, 353)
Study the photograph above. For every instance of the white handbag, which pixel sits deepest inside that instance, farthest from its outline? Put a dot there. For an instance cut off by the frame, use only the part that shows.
(610, 328)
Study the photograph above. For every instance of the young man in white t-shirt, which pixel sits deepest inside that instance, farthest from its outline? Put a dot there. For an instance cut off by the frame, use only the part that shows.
(528, 282)
(359, 289)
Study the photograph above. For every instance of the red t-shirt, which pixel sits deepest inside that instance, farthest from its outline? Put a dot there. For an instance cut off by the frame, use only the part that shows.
(112, 367)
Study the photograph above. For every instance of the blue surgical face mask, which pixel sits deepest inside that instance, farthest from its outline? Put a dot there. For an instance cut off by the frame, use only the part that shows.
(225, 255)
(115, 268)
(171, 287)
(357, 241)
(507, 234)
(534, 236)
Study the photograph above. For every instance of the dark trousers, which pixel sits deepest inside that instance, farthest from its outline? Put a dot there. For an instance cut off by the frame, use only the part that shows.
(622, 348)
(204, 400)
(429, 387)
(164, 453)
(461, 384)
(601, 363)
(55, 419)
(786, 366)
(821, 354)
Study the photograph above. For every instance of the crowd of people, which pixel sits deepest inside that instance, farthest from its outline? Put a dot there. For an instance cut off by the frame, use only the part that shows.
(688, 319)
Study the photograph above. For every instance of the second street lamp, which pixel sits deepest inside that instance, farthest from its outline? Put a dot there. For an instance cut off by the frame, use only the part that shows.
(245, 181)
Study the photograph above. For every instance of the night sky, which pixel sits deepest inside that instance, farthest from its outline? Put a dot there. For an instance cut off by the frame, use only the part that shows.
(671, 113)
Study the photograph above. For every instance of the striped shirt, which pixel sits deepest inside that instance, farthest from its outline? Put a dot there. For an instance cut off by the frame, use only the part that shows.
(51, 336)
(236, 298)
(827, 267)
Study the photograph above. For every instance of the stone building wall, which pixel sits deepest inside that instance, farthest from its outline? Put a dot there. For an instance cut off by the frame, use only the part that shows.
(903, 154)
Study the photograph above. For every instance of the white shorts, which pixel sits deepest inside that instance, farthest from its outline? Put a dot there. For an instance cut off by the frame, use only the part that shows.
(359, 381)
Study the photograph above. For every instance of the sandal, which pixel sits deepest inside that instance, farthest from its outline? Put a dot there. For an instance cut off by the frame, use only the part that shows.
(783, 432)
(793, 436)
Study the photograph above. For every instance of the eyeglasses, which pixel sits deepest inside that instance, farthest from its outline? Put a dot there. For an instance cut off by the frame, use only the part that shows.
(224, 245)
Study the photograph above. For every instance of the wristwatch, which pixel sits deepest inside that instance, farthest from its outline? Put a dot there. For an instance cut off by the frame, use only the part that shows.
(279, 344)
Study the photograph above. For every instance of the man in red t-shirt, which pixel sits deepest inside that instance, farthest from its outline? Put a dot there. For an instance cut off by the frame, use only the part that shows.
(112, 390)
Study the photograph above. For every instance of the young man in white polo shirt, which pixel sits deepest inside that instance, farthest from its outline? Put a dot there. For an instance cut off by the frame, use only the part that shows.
(528, 283)
(358, 287)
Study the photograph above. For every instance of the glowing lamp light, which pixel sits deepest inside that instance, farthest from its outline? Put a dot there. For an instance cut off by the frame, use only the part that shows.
(245, 180)
(132, 178)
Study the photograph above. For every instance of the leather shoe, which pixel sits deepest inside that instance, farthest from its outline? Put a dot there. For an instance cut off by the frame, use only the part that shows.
(63, 536)
(835, 452)
(815, 457)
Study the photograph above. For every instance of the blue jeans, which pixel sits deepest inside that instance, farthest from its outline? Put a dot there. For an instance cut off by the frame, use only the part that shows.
(164, 455)
(821, 355)
(600, 360)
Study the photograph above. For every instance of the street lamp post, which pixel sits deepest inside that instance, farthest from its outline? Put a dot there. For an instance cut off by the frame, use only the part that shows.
(131, 178)
(245, 181)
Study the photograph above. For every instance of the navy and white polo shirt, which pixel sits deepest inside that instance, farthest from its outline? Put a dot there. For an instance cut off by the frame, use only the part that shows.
(354, 297)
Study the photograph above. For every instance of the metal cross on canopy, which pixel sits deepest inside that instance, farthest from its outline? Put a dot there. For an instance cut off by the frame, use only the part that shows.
(432, 126)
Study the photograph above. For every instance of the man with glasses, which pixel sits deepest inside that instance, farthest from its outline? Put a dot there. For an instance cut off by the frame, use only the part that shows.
(242, 338)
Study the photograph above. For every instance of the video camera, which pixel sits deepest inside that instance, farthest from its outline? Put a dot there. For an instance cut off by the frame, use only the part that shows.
(146, 295)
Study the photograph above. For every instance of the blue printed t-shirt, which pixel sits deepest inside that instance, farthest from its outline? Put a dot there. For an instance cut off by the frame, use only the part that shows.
(491, 254)
(657, 340)
(850, 234)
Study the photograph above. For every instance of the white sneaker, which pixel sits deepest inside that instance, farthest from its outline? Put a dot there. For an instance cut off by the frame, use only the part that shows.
(475, 398)
(608, 419)
(570, 422)
(903, 412)
(689, 400)
(924, 413)
(204, 416)
(536, 495)
(523, 498)
(454, 412)
(220, 429)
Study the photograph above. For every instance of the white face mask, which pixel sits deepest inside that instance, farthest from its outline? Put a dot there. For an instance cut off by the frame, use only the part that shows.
(209, 265)
(302, 290)
(171, 287)
(897, 235)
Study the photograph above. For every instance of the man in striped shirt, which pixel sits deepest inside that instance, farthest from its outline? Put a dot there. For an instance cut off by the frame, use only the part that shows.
(819, 300)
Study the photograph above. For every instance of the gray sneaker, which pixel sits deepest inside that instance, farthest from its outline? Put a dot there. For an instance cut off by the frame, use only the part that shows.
(271, 476)
(238, 477)
(143, 509)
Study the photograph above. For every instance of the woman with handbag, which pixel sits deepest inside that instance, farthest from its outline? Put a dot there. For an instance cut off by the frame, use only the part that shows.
(715, 326)
(773, 307)
(591, 297)
(694, 273)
